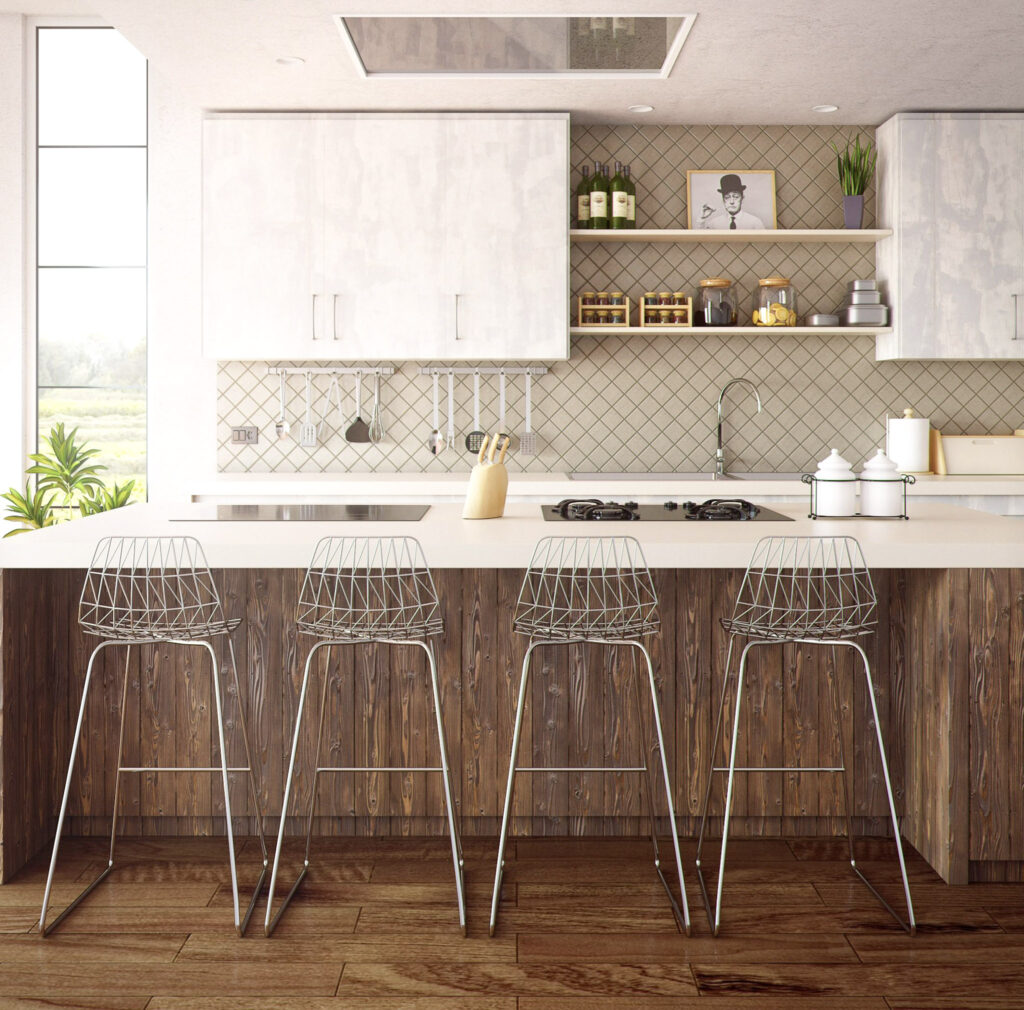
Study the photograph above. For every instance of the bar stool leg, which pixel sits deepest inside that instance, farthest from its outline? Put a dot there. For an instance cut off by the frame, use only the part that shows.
(520, 706)
(910, 925)
(453, 827)
(711, 772)
(120, 757)
(45, 929)
(239, 924)
(269, 923)
(837, 719)
(716, 920)
(683, 915)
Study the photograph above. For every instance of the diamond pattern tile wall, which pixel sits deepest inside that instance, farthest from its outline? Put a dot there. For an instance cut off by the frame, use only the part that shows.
(646, 402)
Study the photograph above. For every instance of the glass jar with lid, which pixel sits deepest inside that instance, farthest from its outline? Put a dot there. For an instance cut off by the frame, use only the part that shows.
(716, 304)
(774, 302)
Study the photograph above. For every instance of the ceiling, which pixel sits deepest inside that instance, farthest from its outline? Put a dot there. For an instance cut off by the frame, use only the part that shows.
(745, 61)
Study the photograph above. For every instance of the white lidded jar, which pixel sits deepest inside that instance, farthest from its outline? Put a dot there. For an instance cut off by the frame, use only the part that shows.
(881, 487)
(835, 487)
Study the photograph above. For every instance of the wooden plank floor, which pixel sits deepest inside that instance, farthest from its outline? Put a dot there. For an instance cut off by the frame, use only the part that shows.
(584, 924)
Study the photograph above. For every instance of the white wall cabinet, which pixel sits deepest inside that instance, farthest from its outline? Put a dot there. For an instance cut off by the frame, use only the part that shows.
(404, 237)
(951, 186)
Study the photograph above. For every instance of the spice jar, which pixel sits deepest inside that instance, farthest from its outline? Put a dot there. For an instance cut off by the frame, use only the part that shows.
(617, 298)
(716, 305)
(679, 317)
(618, 317)
(602, 317)
(664, 317)
(589, 317)
(678, 297)
(602, 298)
(664, 297)
(588, 298)
(650, 315)
(774, 302)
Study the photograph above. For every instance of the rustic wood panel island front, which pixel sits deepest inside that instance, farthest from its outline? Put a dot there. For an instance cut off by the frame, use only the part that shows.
(947, 660)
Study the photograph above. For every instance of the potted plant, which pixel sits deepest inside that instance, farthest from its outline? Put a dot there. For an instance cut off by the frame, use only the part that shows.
(856, 166)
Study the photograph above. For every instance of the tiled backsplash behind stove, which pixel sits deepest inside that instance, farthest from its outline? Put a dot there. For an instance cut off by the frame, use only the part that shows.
(637, 402)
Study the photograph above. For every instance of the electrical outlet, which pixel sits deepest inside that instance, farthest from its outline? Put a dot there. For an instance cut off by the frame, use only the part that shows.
(247, 434)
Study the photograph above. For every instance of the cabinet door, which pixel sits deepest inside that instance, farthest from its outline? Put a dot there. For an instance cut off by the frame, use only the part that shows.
(384, 237)
(262, 239)
(508, 247)
(952, 186)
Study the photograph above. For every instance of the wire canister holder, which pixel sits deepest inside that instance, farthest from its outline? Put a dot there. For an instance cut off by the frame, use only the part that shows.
(808, 478)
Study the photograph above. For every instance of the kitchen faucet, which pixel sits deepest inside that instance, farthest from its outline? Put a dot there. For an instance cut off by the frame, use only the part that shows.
(720, 473)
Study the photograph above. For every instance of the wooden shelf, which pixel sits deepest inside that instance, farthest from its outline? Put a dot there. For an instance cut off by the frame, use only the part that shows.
(772, 235)
(850, 331)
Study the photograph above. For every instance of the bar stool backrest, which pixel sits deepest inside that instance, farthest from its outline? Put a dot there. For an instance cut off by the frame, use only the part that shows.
(149, 587)
(366, 588)
(579, 587)
(805, 587)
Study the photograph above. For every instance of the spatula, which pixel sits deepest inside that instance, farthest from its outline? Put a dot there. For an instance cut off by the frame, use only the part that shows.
(450, 436)
(307, 430)
(528, 440)
(282, 427)
(358, 431)
(436, 441)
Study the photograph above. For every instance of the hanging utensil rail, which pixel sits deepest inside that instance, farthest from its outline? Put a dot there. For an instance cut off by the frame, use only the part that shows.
(490, 370)
(282, 370)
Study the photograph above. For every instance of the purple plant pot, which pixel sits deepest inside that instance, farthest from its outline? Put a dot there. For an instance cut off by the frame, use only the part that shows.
(853, 211)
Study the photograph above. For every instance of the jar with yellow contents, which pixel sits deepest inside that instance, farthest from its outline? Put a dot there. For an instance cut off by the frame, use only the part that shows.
(774, 302)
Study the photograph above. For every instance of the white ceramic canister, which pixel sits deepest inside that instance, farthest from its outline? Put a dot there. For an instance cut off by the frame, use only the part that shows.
(881, 487)
(835, 487)
(907, 440)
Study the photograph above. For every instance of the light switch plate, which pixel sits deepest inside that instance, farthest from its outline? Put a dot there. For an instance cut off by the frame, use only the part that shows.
(247, 434)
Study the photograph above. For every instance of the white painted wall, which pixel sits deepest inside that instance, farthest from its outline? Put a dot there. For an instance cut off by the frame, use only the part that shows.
(182, 385)
(12, 250)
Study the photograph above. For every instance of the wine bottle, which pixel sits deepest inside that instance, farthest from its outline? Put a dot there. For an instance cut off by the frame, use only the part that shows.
(631, 197)
(598, 198)
(620, 198)
(583, 200)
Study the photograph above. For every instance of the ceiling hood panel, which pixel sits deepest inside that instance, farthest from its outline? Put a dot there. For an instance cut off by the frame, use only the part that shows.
(528, 46)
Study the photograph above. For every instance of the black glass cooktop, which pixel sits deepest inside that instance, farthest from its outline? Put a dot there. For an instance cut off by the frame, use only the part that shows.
(712, 510)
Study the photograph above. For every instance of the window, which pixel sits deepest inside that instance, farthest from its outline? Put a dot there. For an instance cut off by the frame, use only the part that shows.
(91, 199)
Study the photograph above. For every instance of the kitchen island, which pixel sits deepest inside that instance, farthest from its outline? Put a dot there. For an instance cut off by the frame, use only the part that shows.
(947, 659)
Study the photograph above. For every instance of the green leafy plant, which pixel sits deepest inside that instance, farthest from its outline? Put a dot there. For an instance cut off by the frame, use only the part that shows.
(31, 511)
(106, 499)
(65, 472)
(66, 468)
(856, 166)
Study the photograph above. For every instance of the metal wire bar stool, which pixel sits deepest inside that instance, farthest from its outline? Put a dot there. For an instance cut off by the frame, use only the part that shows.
(361, 590)
(592, 590)
(814, 591)
(147, 590)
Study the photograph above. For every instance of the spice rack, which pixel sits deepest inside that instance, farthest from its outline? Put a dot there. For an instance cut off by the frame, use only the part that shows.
(606, 310)
(675, 310)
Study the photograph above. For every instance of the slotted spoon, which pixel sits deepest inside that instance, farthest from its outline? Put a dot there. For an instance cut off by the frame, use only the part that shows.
(528, 439)
(435, 440)
(282, 428)
(476, 437)
(307, 431)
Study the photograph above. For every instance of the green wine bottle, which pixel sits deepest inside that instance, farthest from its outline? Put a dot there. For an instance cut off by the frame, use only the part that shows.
(631, 191)
(598, 198)
(583, 200)
(620, 198)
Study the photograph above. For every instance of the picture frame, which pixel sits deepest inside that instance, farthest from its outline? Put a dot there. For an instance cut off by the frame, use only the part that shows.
(750, 204)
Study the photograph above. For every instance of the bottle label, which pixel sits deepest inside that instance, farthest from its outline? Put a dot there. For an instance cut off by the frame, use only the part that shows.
(620, 204)
(598, 203)
(631, 211)
(583, 207)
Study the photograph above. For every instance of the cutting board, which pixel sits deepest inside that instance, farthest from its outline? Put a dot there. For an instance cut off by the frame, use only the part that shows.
(983, 454)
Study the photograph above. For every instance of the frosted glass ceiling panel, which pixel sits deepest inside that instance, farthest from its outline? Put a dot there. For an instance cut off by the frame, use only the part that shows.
(527, 46)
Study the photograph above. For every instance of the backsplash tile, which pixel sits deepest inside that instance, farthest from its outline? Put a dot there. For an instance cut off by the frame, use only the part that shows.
(646, 402)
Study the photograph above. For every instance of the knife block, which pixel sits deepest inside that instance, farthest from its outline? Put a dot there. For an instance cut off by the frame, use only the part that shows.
(488, 484)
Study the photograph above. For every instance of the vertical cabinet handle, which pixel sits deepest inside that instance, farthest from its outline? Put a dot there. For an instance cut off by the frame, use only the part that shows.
(1016, 317)
(458, 335)
(313, 318)
(334, 317)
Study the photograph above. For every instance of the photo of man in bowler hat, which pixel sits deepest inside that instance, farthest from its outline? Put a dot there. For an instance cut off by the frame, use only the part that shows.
(730, 215)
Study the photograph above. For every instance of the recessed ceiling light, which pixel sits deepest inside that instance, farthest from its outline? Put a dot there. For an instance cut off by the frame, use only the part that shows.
(824, 108)
(641, 108)
(290, 61)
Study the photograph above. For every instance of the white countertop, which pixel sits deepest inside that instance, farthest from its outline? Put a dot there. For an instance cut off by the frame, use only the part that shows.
(545, 487)
(936, 536)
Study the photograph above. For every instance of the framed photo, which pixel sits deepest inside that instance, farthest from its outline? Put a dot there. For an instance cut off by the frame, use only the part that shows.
(730, 199)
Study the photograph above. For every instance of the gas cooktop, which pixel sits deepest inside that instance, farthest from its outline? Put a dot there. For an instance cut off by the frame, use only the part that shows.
(712, 510)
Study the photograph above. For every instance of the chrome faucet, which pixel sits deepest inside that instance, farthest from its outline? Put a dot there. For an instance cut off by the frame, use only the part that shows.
(720, 473)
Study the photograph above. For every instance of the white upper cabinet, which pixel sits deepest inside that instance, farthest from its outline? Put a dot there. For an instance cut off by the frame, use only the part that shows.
(402, 237)
(952, 188)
